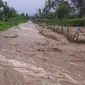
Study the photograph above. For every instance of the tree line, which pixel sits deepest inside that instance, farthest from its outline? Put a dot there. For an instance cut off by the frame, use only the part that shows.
(6, 12)
(62, 9)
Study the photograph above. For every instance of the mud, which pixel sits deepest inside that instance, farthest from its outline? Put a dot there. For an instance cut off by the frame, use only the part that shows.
(34, 59)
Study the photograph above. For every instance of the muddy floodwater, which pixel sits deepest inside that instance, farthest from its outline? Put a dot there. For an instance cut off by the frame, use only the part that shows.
(29, 56)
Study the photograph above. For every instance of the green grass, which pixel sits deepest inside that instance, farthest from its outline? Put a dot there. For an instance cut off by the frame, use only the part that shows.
(4, 25)
(70, 22)
(65, 22)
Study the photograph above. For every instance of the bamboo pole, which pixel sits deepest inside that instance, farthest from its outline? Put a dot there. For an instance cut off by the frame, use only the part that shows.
(68, 31)
(62, 30)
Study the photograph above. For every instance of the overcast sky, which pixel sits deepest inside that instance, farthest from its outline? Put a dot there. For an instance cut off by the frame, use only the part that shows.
(26, 6)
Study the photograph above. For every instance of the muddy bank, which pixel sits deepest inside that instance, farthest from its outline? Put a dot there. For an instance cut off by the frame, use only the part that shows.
(52, 35)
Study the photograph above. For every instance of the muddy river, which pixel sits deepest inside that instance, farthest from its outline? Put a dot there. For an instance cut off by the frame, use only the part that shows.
(30, 58)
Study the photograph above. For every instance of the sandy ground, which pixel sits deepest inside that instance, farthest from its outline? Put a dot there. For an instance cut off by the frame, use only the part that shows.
(29, 58)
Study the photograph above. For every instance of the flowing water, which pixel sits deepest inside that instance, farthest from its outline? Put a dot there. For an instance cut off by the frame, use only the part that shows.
(29, 58)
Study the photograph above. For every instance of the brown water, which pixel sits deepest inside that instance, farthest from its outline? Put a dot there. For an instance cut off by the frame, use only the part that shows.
(33, 59)
(27, 33)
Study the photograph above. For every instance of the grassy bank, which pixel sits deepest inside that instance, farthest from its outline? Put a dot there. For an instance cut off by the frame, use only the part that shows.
(70, 22)
(4, 25)
(65, 22)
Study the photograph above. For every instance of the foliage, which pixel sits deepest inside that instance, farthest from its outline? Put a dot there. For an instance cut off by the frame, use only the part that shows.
(9, 16)
(12, 22)
(80, 5)
(63, 10)
(70, 22)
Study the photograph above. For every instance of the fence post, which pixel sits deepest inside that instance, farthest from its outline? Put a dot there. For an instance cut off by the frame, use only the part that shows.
(62, 30)
(57, 29)
(78, 28)
(67, 31)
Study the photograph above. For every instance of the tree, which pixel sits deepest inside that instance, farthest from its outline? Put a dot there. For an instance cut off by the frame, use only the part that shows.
(6, 11)
(1, 3)
(63, 9)
(49, 5)
(1, 9)
(12, 12)
(55, 3)
(80, 5)
(45, 10)
(39, 12)
(27, 17)
(23, 15)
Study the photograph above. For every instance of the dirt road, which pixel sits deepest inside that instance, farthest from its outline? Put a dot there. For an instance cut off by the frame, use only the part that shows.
(29, 58)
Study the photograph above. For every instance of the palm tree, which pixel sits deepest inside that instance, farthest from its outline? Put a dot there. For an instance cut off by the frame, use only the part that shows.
(49, 4)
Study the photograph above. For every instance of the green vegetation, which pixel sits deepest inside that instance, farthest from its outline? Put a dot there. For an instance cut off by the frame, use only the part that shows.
(4, 25)
(9, 17)
(62, 12)
(65, 22)
(71, 22)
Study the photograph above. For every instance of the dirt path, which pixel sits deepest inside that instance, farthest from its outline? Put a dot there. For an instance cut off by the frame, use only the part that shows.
(29, 58)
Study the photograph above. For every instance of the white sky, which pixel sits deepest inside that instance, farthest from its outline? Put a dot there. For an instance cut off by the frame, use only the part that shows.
(26, 6)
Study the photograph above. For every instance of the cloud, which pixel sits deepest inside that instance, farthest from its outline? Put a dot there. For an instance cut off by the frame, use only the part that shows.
(26, 6)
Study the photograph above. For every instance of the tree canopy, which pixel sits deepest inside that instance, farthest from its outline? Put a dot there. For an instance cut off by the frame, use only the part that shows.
(7, 12)
(63, 9)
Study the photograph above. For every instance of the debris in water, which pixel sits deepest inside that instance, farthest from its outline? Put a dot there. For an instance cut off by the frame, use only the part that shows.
(11, 36)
